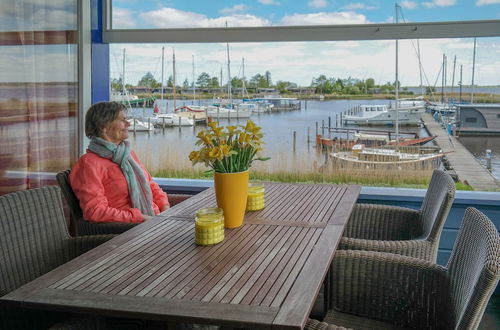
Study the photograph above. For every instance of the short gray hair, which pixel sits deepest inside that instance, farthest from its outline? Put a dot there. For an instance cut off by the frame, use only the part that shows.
(100, 115)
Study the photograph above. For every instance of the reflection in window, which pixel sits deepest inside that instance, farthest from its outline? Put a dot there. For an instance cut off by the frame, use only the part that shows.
(38, 92)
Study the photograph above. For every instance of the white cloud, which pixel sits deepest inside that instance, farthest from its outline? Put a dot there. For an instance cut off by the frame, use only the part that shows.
(409, 4)
(170, 17)
(55, 63)
(269, 2)
(440, 3)
(318, 3)
(123, 18)
(38, 15)
(234, 9)
(324, 19)
(487, 2)
(358, 5)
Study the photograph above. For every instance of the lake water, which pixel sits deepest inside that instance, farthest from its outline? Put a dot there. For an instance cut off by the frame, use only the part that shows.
(171, 146)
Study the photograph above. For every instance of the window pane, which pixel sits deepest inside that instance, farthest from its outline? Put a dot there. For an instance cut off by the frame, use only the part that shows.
(38, 92)
(250, 13)
(326, 80)
(30, 15)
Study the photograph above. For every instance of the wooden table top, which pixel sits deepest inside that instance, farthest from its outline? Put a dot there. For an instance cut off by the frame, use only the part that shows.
(265, 274)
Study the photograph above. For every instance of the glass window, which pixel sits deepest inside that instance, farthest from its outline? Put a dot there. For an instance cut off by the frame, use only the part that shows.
(362, 74)
(151, 14)
(38, 92)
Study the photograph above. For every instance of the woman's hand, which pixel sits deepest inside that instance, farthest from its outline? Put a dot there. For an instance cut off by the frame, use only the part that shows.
(146, 217)
(164, 208)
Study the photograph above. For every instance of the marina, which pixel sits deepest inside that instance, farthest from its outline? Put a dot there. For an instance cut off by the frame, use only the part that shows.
(290, 139)
(466, 167)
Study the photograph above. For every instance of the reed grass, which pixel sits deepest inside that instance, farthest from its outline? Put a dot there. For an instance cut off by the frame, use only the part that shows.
(172, 163)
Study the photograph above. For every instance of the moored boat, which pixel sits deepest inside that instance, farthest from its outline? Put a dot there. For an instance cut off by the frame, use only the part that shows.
(397, 158)
(382, 116)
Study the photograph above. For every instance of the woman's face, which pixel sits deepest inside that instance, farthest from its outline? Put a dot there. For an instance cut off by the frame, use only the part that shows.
(117, 130)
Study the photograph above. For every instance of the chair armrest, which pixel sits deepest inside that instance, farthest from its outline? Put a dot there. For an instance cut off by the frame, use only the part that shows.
(407, 292)
(382, 222)
(76, 246)
(421, 249)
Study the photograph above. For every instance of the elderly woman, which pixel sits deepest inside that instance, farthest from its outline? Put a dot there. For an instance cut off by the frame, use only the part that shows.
(110, 182)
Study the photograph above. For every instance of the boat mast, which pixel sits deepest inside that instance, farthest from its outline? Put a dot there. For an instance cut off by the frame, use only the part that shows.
(162, 67)
(420, 69)
(397, 86)
(123, 74)
(173, 76)
(453, 75)
(443, 75)
(243, 80)
(473, 69)
(229, 75)
(194, 85)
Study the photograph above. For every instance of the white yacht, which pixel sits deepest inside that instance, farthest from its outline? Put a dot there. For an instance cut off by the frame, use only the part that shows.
(382, 115)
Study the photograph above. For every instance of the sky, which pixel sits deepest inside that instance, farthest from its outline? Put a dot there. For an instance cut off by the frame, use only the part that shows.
(297, 62)
(301, 62)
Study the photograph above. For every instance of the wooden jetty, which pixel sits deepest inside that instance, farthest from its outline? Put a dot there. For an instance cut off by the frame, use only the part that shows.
(463, 162)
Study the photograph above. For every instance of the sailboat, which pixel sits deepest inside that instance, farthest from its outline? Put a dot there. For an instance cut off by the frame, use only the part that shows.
(170, 119)
(389, 157)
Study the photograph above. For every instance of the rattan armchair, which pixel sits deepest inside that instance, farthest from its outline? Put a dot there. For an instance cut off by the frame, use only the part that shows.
(373, 290)
(34, 239)
(84, 227)
(400, 230)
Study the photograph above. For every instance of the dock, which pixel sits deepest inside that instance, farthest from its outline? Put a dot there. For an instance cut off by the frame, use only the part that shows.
(466, 167)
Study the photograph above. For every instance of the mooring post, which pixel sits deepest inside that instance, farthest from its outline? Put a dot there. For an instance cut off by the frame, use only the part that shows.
(294, 139)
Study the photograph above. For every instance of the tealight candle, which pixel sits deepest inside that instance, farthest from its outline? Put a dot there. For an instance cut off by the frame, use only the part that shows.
(255, 199)
(209, 226)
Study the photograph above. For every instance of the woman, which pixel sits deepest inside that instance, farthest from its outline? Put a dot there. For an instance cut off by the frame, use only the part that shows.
(110, 182)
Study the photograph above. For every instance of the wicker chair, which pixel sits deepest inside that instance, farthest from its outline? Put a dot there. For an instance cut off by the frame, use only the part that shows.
(401, 230)
(34, 240)
(83, 227)
(373, 290)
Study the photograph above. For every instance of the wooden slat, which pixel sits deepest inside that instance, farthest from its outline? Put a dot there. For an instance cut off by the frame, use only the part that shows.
(264, 274)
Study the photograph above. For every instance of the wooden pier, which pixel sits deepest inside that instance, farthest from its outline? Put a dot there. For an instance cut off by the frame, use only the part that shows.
(463, 162)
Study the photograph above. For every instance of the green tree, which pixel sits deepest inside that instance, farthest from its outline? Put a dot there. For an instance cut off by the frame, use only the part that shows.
(282, 86)
(258, 81)
(214, 82)
(116, 84)
(148, 81)
(185, 84)
(170, 81)
(370, 83)
(203, 80)
(268, 79)
(236, 82)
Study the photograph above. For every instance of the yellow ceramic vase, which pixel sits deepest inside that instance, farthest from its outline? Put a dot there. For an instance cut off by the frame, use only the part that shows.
(231, 190)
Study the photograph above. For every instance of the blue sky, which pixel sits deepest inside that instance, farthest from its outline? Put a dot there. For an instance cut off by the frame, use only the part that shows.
(158, 13)
(297, 62)
(300, 62)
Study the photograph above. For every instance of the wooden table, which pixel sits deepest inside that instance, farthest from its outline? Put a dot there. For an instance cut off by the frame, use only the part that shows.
(265, 274)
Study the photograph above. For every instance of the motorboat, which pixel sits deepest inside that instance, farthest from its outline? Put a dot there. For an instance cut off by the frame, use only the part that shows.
(171, 119)
(382, 115)
(140, 125)
(222, 112)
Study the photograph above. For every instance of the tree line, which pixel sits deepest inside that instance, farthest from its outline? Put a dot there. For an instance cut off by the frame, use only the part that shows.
(321, 84)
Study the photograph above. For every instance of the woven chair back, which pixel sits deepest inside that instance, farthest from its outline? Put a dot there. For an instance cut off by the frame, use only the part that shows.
(436, 205)
(32, 227)
(474, 268)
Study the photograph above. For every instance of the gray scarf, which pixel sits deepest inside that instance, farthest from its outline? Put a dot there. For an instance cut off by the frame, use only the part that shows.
(138, 185)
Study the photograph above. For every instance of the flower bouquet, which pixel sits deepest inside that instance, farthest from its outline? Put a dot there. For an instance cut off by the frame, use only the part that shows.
(229, 151)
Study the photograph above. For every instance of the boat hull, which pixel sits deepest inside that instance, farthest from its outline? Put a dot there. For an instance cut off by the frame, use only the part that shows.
(405, 118)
